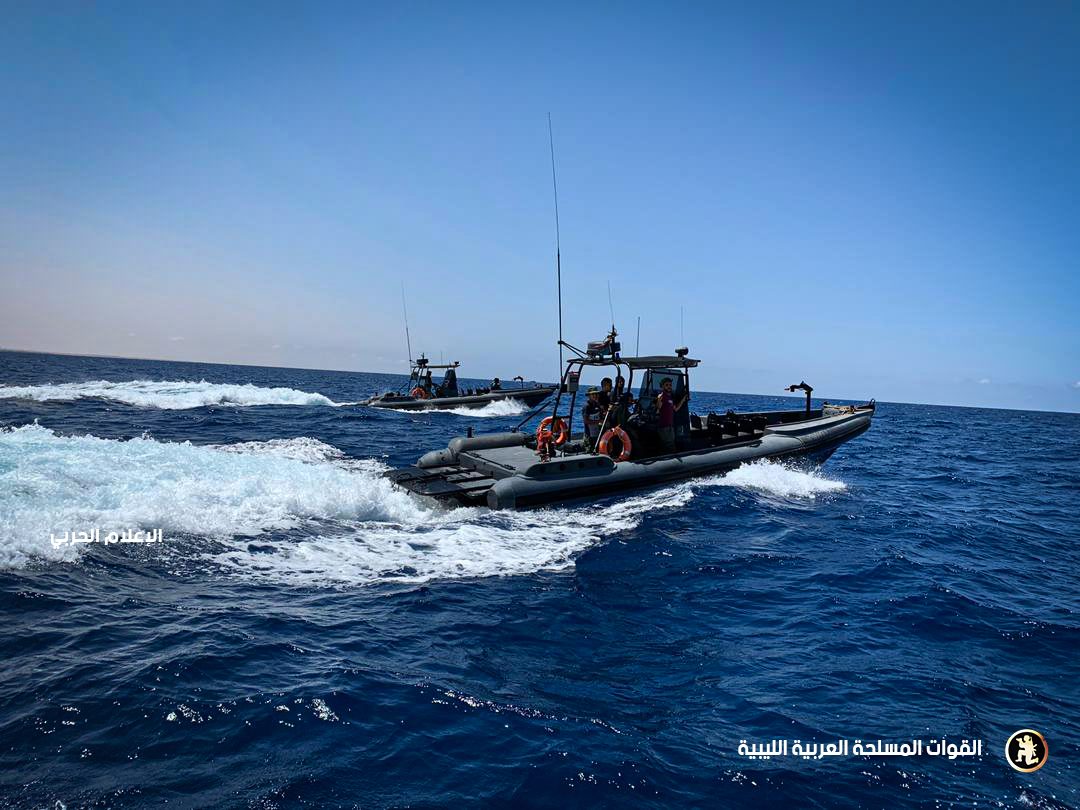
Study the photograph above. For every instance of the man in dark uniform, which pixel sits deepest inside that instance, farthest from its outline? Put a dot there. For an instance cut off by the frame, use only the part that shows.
(605, 393)
(592, 415)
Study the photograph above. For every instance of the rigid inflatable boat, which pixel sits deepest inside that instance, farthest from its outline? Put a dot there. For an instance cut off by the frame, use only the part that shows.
(425, 395)
(518, 470)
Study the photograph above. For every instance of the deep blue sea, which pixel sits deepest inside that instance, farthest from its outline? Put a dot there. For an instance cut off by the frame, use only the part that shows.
(306, 635)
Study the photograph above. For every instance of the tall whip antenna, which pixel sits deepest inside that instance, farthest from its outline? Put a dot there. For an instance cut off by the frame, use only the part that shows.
(610, 306)
(682, 337)
(558, 246)
(637, 346)
(405, 312)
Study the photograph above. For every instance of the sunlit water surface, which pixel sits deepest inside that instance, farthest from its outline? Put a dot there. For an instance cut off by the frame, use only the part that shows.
(306, 634)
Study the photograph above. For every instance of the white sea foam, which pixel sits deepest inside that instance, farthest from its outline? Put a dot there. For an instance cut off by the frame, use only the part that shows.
(473, 542)
(501, 407)
(167, 394)
(446, 544)
(297, 511)
(773, 478)
(51, 483)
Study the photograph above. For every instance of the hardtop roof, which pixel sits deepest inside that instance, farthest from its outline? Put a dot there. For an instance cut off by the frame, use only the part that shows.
(636, 363)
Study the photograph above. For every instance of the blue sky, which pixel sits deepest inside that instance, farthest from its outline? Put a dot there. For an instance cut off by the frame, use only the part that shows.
(881, 200)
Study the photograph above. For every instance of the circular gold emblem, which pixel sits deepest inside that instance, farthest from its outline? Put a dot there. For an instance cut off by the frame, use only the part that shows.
(1027, 750)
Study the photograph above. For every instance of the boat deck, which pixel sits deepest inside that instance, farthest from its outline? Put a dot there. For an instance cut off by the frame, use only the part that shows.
(470, 473)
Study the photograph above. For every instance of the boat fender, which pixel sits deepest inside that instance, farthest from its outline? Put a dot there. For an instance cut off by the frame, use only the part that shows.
(552, 428)
(419, 393)
(487, 441)
(438, 458)
(624, 439)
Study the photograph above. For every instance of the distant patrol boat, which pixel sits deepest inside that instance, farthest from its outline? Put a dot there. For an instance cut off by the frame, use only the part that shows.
(425, 395)
(518, 470)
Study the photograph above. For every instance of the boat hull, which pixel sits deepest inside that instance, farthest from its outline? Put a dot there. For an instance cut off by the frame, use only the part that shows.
(527, 491)
(530, 397)
(503, 471)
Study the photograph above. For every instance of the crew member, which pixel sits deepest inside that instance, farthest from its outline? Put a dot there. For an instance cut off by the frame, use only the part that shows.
(496, 384)
(621, 403)
(665, 410)
(592, 415)
(605, 393)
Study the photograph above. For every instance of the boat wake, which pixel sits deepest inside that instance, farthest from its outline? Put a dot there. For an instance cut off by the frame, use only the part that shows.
(501, 407)
(298, 511)
(167, 394)
(51, 484)
(779, 480)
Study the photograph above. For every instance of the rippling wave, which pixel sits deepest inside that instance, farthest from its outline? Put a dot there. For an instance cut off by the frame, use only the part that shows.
(170, 395)
(308, 634)
(254, 497)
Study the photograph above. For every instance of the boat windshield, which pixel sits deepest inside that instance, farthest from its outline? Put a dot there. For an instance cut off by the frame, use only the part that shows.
(655, 369)
(651, 382)
(449, 387)
(650, 388)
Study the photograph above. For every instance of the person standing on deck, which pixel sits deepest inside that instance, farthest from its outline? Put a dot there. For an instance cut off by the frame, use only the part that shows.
(592, 415)
(605, 394)
(665, 410)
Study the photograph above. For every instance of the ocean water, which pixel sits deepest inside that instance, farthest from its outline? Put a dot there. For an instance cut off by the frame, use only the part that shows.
(308, 635)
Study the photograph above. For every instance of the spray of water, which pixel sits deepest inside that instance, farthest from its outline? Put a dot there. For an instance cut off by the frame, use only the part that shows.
(166, 394)
(297, 511)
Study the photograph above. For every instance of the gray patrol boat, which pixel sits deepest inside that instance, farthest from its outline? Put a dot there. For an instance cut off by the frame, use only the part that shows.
(517, 470)
(424, 394)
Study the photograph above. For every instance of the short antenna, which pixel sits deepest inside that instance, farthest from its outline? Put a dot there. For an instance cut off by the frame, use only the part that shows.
(558, 246)
(405, 312)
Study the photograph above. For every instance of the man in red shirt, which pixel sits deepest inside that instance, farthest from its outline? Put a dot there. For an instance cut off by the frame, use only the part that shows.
(665, 409)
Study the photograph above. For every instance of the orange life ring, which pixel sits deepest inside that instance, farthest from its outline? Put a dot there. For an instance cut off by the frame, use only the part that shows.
(552, 428)
(419, 393)
(624, 438)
